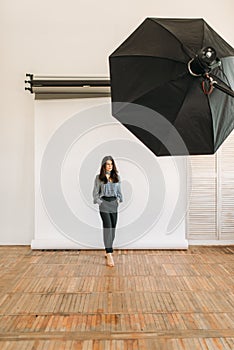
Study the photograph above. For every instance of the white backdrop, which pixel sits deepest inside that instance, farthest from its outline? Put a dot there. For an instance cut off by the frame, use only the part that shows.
(71, 138)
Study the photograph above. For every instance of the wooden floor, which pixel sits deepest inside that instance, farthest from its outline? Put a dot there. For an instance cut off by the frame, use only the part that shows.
(151, 299)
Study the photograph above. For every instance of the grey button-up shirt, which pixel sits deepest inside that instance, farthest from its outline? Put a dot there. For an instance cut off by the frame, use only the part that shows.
(110, 189)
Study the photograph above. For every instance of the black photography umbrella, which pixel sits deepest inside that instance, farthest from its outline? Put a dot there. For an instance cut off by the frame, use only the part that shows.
(183, 71)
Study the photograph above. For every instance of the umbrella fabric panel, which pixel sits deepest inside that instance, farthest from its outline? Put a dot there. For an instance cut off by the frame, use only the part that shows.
(141, 122)
(211, 38)
(150, 127)
(195, 34)
(222, 105)
(188, 31)
(194, 121)
(187, 109)
(167, 99)
(140, 75)
(151, 39)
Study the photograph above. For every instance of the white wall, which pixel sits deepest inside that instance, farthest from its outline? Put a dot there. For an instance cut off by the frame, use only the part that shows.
(71, 37)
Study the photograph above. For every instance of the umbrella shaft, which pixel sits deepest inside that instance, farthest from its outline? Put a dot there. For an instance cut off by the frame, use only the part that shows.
(223, 89)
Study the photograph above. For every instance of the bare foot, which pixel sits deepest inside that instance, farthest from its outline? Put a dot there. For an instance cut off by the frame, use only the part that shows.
(109, 261)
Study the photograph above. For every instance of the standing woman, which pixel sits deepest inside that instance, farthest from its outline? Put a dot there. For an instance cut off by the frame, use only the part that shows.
(107, 194)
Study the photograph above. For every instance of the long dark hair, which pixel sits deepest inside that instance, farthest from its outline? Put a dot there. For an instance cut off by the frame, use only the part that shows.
(114, 171)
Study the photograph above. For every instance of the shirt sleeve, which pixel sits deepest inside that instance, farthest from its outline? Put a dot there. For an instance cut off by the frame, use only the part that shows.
(119, 191)
(96, 191)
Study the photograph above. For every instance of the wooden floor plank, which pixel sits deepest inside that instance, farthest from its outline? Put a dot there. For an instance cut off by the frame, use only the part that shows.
(151, 299)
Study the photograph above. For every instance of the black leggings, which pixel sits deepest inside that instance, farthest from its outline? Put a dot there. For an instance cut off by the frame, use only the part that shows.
(108, 211)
